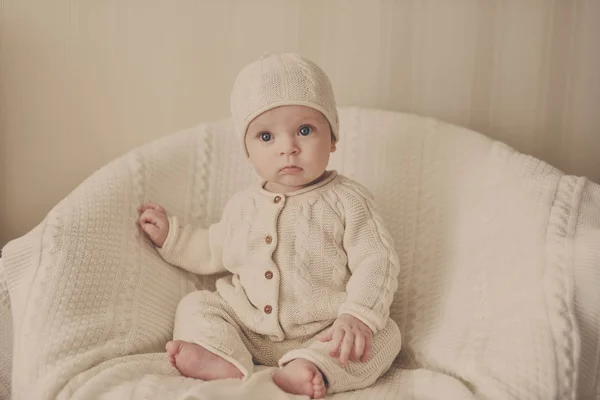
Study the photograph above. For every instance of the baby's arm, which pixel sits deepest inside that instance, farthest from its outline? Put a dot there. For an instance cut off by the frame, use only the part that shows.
(194, 249)
(372, 260)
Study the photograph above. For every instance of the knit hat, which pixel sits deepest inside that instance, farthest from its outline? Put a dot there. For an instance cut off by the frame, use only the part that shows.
(281, 79)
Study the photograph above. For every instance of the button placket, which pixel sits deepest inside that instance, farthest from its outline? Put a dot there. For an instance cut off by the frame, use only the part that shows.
(268, 309)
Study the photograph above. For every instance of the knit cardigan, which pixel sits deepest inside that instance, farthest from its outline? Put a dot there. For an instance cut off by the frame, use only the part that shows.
(298, 259)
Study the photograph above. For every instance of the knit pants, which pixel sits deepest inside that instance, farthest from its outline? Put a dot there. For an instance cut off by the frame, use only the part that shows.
(204, 318)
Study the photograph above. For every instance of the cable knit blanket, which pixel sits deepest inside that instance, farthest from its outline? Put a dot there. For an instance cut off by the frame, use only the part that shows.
(498, 294)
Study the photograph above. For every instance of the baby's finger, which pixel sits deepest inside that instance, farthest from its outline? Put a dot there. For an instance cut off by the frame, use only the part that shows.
(148, 217)
(144, 207)
(338, 336)
(368, 349)
(359, 347)
(152, 206)
(157, 207)
(152, 216)
(325, 336)
(151, 229)
(347, 346)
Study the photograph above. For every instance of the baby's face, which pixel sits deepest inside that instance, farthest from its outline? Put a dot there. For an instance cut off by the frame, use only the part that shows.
(289, 146)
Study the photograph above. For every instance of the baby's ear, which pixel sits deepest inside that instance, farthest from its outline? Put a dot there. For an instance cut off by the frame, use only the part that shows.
(333, 148)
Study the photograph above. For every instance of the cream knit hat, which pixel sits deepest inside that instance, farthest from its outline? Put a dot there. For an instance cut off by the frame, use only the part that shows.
(281, 79)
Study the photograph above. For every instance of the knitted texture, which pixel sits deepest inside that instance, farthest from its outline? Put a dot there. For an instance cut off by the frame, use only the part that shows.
(289, 237)
(586, 254)
(281, 79)
(498, 256)
(6, 332)
(204, 318)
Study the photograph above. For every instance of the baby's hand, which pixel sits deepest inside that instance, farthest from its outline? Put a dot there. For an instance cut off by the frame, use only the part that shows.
(351, 339)
(153, 220)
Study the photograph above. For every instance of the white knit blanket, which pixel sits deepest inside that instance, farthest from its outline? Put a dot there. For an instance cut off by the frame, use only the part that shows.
(489, 241)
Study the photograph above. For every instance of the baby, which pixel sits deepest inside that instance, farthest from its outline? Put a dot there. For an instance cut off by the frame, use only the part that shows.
(312, 268)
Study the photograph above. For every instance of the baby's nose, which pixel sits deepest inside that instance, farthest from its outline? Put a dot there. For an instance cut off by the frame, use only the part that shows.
(289, 146)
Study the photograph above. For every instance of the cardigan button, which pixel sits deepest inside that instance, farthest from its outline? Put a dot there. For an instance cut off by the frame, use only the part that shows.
(277, 199)
(268, 239)
(268, 275)
(268, 309)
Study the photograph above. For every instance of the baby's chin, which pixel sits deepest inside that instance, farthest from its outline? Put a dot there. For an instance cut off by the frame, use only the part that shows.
(305, 179)
(290, 183)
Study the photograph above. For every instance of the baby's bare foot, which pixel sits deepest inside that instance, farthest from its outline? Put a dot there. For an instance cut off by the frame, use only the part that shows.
(195, 361)
(301, 377)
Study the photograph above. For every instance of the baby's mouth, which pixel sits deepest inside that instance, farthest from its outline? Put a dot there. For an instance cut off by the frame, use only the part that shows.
(290, 168)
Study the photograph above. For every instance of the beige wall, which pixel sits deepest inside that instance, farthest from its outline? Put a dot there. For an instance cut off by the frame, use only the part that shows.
(81, 82)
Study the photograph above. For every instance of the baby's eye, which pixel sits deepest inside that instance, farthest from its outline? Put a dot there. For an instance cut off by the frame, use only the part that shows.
(265, 136)
(305, 130)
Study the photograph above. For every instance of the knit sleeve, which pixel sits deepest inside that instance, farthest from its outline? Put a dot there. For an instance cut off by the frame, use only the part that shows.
(195, 249)
(372, 259)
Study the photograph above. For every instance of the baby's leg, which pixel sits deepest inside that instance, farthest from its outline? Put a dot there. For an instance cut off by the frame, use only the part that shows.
(206, 339)
(194, 361)
(354, 375)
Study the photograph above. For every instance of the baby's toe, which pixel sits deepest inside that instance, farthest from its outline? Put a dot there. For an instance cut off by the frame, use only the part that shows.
(318, 386)
(172, 361)
(319, 393)
(169, 347)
